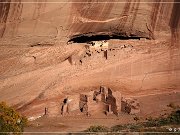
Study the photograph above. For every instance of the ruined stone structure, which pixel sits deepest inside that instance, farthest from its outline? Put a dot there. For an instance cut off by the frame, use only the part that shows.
(103, 100)
(89, 51)
(99, 45)
(65, 107)
(100, 49)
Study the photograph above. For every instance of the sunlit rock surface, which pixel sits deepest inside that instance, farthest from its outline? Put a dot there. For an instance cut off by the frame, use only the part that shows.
(35, 71)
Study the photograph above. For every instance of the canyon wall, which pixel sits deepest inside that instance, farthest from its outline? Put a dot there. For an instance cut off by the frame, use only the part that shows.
(34, 69)
(30, 22)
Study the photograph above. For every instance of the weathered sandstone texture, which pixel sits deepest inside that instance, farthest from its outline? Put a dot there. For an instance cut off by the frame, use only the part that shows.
(46, 51)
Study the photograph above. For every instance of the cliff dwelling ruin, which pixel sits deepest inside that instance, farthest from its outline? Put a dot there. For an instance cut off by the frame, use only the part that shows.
(99, 43)
(104, 101)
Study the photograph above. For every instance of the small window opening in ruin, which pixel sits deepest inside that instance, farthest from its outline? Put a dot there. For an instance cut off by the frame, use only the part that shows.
(86, 38)
(80, 61)
(81, 109)
(65, 100)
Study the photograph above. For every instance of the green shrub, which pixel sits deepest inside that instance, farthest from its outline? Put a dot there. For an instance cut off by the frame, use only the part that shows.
(150, 122)
(151, 125)
(118, 128)
(10, 120)
(135, 127)
(126, 127)
(97, 129)
(174, 117)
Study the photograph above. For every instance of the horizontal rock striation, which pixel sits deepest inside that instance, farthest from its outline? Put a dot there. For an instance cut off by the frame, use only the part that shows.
(46, 53)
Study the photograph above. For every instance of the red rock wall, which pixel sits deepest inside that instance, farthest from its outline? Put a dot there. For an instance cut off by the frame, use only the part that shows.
(33, 66)
(42, 21)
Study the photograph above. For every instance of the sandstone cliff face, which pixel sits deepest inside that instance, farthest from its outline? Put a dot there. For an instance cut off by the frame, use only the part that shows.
(33, 48)
(44, 20)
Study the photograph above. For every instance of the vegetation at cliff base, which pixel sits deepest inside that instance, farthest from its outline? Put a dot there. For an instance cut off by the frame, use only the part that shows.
(10, 120)
(97, 128)
(160, 124)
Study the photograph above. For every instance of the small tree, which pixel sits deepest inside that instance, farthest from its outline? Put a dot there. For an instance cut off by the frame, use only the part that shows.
(10, 120)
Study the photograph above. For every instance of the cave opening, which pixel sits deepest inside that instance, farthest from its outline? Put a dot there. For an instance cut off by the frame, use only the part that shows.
(86, 38)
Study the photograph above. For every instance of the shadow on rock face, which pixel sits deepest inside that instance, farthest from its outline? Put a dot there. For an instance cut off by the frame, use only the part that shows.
(174, 23)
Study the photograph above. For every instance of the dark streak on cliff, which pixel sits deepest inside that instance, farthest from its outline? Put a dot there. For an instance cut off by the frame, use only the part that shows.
(92, 11)
(96, 17)
(154, 16)
(161, 16)
(15, 15)
(84, 10)
(174, 22)
(105, 13)
(4, 11)
(135, 13)
(125, 13)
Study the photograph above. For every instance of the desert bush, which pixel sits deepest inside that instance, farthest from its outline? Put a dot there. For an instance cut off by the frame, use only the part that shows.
(126, 127)
(10, 120)
(174, 117)
(150, 122)
(118, 128)
(97, 129)
(172, 105)
(135, 127)
(151, 125)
